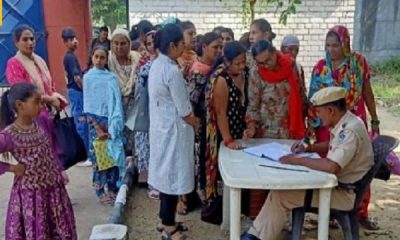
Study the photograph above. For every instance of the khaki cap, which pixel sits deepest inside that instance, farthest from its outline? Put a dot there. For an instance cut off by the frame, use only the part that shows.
(328, 95)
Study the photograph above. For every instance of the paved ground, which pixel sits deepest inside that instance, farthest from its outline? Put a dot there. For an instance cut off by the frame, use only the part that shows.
(88, 212)
(141, 214)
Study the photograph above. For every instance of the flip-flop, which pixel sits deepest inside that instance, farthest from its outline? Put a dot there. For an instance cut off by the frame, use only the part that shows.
(168, 235)
(369, 224)
(333, 224)
(181, 208)
(153, 194)
(179, 226)
(106, 200)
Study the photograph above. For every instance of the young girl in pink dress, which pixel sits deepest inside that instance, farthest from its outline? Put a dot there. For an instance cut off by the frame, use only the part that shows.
(39, 206)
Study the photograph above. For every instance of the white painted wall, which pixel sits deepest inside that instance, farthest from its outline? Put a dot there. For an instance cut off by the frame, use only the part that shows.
(310, 24)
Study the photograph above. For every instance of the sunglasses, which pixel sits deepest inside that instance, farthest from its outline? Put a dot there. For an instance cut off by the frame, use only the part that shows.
(265, 62)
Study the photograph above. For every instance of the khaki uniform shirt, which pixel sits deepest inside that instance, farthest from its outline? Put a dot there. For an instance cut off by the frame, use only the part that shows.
(351, 148)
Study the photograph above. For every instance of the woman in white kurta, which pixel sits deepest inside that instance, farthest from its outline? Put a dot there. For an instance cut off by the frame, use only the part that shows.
(172, 122)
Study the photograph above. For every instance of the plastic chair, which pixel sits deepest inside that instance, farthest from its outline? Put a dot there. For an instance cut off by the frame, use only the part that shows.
(348, 220)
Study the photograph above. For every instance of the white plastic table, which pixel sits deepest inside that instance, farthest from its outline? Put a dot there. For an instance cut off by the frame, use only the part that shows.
(241, 170)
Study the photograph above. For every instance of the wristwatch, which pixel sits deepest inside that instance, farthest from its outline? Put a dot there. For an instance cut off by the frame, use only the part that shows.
(375, 122)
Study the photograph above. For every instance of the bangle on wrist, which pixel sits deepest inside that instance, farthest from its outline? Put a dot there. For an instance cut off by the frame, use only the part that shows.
(375, 122)
(229, 141)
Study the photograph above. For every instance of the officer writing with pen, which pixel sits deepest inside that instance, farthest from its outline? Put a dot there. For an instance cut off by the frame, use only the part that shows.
(350, 156)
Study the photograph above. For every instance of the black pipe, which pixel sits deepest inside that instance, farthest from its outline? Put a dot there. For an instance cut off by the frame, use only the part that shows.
(128, 25)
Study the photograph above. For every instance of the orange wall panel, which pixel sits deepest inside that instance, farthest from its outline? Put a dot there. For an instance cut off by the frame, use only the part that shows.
(58, 15)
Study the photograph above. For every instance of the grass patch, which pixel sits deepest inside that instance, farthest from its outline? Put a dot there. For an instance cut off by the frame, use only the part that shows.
(386, 84)
(390, 66)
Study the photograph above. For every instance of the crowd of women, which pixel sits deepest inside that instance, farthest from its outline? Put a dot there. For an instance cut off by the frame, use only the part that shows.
(167, 98)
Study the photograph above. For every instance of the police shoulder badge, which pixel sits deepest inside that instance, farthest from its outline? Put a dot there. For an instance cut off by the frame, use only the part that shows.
(342, 136)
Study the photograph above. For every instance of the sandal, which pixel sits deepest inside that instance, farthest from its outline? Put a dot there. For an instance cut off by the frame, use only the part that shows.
(182, 206)
(153, 193)
(168, 235)
(333, 224)
(112, 196)
(179, 227)
(369, 223)
(105, 200)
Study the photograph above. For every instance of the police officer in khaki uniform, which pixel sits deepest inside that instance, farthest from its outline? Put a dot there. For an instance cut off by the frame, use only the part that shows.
(350, 156)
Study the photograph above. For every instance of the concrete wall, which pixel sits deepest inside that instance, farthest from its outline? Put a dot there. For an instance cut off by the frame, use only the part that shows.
(310, 24)
(377, 29)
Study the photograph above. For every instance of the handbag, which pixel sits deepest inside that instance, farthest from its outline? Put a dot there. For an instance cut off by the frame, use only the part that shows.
(211, 209)
(103, 161)
(72, 147)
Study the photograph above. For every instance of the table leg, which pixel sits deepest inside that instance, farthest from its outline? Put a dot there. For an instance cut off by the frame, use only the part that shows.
(225, 208)
(323, 213)
(235, 213)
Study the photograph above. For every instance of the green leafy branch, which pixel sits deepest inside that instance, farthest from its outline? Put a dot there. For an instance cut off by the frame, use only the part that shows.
(109, 12)
(287, 8)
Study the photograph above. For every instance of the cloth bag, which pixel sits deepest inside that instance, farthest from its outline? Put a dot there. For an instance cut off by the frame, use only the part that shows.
(72, 147)
(103, 161)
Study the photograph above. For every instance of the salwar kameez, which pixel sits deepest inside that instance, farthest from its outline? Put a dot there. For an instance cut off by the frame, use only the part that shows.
(105, 178)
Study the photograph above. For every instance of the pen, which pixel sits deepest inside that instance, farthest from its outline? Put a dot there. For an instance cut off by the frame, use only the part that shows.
(298, 145)
(283, 168)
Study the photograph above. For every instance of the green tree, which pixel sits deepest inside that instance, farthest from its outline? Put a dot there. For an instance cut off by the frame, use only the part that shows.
(285, 7)
(109, 12)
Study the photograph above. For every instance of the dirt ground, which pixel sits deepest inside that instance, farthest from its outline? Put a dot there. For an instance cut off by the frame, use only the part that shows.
(141, 217)
(141, 212)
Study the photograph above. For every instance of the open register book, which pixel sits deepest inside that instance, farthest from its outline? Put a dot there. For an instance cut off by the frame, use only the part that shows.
(272, 151)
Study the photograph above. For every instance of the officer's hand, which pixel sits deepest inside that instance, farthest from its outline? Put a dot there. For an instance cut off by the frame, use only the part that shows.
(290, 159)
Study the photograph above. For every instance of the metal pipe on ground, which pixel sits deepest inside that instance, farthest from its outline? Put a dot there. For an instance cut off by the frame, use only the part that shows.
(114, 229)
(124, 191)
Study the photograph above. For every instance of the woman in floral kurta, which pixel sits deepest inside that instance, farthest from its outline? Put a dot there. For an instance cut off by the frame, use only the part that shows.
(273, 92)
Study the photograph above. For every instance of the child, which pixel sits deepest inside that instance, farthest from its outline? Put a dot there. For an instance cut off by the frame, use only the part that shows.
(103, 109)
(39, 206)
(73, 73)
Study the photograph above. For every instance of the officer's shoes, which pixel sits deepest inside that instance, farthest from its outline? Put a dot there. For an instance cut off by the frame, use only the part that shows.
(248, 236)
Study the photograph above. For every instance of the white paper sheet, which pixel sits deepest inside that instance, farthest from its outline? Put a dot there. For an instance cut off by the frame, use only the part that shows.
(272, 151)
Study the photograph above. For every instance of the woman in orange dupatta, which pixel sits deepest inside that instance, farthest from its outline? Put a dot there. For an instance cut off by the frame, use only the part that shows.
(188, 56)
(273, 92)
(185, 61)
(208, 49)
